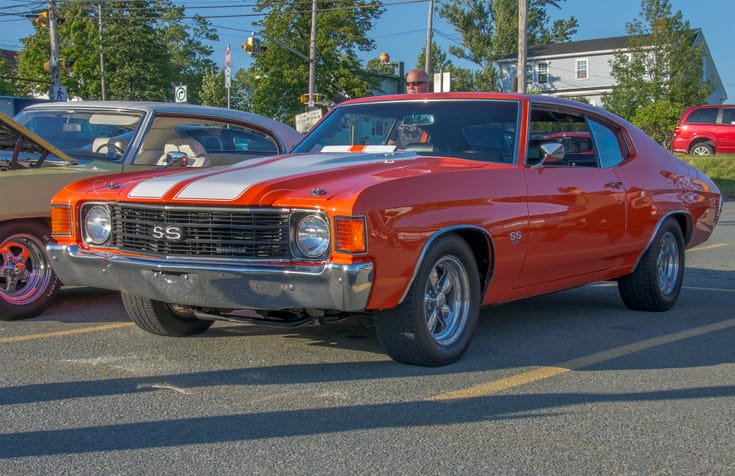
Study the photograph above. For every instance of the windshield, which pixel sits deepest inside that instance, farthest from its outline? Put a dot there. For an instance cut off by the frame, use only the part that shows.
(478, 130)
(84, 133)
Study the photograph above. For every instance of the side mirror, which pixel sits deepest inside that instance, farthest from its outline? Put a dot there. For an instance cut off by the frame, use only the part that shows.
(551, 152)
(176, 159)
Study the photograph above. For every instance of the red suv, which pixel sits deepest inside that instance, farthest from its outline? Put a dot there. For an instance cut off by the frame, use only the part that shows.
(705, 130)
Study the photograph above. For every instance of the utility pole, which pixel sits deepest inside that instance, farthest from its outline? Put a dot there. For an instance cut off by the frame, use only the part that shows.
(427, 59)
(522, 26)
(54, 60)
(102, 56)
(312, 57)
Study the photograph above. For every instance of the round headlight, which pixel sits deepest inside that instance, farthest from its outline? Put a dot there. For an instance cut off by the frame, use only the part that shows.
(312, 236)
(97, 225)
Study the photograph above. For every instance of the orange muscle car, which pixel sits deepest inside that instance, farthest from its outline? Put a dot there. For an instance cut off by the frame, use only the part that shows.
(415, 209)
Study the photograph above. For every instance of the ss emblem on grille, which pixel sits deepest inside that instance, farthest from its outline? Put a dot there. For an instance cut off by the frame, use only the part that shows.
(168, 232)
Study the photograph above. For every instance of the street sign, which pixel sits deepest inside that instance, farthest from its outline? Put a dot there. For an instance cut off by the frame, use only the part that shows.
(57, 93)
(442, 82)
(227, 57)
(180, 93)
(305, 120)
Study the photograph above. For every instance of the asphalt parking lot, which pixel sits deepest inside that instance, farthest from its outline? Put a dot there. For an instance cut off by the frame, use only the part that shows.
(568, 383)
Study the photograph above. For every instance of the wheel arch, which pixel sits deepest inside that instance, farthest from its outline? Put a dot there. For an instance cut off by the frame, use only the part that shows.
(701, 140)
(682, 218)
(40, 219)
(481, 244)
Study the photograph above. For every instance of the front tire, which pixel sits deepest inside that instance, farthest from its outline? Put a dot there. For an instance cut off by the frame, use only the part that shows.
(28, 284)
(435, 322)
(656, 282)
(162, 319)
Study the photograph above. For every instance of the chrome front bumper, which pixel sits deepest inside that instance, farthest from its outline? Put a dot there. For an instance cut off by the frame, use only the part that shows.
(224, 285)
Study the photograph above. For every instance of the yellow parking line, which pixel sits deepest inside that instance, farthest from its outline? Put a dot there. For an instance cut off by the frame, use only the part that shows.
(708, 247)
(82, 330)
(542, 373)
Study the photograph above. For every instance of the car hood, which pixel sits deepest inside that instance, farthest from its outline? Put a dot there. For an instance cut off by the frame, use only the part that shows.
(26, 147)
(270, 181)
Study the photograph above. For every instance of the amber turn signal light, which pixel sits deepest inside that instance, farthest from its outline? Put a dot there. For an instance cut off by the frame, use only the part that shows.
(350, 234)
(60, 220)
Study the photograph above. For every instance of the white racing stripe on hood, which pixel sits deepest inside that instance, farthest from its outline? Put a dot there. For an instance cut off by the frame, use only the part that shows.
(229, 186)
(159, 186)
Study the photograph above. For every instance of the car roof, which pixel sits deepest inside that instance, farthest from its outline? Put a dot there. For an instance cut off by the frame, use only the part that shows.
(287, 134)
(477, 96)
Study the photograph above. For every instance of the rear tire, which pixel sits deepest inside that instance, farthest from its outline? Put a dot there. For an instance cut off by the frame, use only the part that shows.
(656, 282)
(28, 284)
(162, 319)
(435, 322)
(702, 148)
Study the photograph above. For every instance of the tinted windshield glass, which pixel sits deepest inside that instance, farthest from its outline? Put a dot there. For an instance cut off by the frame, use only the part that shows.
(84, 133)
(481, 130)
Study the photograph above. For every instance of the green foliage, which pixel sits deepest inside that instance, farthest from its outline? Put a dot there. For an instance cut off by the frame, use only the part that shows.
(489, 32)
(462, 79)
(661, 64)
(7, 88)
(213, 91)
(278, 76)
(145, 45)
(720, 168)
(659, 119)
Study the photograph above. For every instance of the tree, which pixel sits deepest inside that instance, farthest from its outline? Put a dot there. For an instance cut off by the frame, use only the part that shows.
(489, 32)
(7, 87)
(213, 91)
(279, 76)
(145, 45)
(661, 65)
(462, 79)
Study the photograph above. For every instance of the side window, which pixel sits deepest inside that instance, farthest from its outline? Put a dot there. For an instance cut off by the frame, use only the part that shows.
(608, 144)
(703, 116)
(550, 124)
(728, 116)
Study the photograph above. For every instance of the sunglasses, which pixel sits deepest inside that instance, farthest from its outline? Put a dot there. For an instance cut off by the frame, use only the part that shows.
(415, 83)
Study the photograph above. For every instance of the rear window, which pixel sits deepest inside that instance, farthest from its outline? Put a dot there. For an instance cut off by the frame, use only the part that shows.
(703, 116)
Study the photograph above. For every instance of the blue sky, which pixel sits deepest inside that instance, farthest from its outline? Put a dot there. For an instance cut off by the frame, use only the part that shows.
(401, 32)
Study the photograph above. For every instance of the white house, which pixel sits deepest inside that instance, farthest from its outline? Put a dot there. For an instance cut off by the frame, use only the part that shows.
(581, 69)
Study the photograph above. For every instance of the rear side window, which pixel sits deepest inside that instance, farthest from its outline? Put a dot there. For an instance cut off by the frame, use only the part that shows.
(703, 116)
(728, 116)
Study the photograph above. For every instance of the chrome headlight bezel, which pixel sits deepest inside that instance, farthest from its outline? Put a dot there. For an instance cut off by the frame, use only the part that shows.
(311, 235)
(96, 224)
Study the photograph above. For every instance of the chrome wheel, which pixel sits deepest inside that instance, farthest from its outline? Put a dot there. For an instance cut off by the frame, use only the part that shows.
(435, 322)
(667, 264)
(703, 148)
(655, 284)
(446, 300)
(25, 274)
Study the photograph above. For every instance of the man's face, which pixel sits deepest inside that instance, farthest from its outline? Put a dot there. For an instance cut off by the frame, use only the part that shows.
(416, 84)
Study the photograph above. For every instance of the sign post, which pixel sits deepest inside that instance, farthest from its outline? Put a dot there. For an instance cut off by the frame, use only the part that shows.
(228, 77)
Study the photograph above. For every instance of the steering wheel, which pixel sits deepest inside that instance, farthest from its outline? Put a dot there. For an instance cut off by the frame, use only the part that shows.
(111, 146)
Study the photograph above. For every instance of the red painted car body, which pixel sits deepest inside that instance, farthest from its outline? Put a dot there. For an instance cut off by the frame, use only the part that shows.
(418, 209)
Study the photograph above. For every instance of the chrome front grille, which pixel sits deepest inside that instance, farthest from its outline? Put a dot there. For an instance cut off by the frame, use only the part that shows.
(204, 232)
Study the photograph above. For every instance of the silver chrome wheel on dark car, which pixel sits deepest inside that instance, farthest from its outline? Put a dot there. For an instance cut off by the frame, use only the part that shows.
(28, 284)
(435, 322)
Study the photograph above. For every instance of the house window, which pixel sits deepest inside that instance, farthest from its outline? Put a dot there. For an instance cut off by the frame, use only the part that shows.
(582, 71)
(542, 70)
(529, 74)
